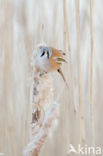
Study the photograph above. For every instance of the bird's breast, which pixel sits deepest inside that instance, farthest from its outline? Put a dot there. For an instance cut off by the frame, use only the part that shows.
(44, 65)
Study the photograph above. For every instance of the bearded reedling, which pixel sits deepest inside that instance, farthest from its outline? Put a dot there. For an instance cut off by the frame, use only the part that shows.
(49, 59)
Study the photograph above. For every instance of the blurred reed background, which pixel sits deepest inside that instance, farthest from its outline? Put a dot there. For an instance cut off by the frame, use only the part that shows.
(68, 25)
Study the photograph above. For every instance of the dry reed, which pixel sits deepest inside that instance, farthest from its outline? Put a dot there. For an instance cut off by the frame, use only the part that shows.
(81, 108)
(20, 30)
(92, 75)
(34, 147)
(67, 31)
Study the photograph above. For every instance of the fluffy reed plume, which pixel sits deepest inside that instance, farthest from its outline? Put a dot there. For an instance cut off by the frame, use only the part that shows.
(81, 109)
(33, 148)
(92, 74)
(44, 110)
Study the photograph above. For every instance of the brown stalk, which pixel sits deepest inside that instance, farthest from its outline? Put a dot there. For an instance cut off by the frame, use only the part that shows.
(92, 75)
(81, 109)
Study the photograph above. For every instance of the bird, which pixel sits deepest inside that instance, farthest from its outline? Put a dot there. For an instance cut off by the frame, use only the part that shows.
(49, 59)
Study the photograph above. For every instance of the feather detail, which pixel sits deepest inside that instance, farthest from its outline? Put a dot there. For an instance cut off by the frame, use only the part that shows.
(61, 60)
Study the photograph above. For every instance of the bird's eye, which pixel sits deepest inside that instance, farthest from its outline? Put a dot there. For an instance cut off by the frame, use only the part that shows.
(42, 54)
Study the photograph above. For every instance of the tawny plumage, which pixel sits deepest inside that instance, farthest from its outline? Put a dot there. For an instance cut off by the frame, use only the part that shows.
(50, 59)
(56, 59)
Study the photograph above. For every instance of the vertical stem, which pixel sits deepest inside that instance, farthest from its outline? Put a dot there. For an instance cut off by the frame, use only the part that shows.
(82, 120)
(92, 74)
(66, 23)
(64, 26)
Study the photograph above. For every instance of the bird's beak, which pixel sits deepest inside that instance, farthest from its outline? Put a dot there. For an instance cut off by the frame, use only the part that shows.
(45, 52)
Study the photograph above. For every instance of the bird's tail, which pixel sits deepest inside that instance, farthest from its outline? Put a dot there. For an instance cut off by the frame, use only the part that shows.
(61, 73)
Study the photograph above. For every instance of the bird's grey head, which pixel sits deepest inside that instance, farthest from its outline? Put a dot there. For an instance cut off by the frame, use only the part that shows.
(45, 52)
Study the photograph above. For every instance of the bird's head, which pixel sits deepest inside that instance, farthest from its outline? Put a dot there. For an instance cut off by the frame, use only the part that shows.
(45, 52)
(48, 59)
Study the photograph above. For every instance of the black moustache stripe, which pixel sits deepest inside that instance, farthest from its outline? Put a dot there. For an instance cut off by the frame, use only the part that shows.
(43, 53)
